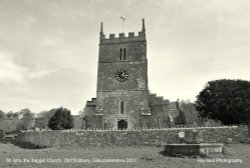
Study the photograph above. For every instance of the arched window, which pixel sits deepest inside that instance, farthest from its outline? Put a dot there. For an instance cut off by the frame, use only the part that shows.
(122, 107)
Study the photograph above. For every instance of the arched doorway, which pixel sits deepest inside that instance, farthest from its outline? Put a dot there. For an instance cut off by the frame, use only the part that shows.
(122, 124)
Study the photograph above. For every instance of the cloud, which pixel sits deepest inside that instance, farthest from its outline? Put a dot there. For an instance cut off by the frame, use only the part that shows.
(9, 70)
(28, 22)
(49, 41)
(39, 74)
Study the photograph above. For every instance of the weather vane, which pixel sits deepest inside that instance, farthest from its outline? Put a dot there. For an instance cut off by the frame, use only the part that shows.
(123, 21)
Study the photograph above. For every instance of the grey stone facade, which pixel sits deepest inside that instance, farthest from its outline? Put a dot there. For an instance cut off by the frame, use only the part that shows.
(123, 100)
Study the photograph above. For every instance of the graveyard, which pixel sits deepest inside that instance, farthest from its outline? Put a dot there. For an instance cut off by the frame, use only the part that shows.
(125, 148)
(140, 157)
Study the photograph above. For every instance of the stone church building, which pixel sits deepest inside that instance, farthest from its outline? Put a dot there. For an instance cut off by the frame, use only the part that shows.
(123, 100)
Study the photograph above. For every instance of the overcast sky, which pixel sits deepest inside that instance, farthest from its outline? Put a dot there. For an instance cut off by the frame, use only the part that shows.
(49, 48)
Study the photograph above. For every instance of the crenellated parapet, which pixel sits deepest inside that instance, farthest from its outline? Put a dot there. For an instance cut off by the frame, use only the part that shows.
(122, 38)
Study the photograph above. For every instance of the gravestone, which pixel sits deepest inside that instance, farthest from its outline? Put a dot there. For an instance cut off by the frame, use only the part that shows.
(193, 137)
(190, 143)
(181, 136)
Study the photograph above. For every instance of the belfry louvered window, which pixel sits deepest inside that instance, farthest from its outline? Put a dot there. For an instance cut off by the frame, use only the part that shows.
(123, 54)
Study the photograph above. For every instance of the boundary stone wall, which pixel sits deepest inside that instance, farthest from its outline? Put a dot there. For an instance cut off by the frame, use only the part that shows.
(104, 138)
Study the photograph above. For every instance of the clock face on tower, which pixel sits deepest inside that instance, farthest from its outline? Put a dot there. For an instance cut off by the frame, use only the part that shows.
(121, 75)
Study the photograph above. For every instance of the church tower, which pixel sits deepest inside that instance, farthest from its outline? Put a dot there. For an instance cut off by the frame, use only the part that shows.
(123, 100)
(122, 80)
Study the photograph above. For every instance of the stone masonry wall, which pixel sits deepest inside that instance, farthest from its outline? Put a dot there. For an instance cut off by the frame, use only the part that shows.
(104, 138)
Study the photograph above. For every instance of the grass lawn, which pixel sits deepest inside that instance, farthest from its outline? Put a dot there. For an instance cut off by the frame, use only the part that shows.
(12, 156)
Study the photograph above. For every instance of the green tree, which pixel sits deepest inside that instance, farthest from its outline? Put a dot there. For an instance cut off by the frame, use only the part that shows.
(43, 118)
(12, 115)
(225, 100)
(27, 119)
(2, 115)
(62, 119)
